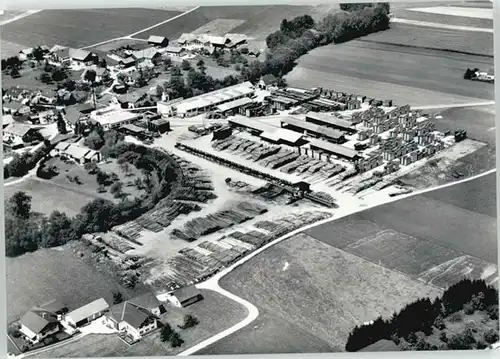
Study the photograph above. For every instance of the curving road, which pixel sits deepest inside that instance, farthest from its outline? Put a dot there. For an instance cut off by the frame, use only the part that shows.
(253, 312)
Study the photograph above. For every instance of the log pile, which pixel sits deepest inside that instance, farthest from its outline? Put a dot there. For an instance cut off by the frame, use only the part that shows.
(199, 227)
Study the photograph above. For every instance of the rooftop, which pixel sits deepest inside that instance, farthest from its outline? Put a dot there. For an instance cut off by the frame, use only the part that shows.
(234, 104)
(34, 322)
(186, 293)
(18, 129)
(174, 49)
(116, 116)
(156, 39)
(267, 131)
(133, 128)
(78, 54)
(333, 148)
(147, 301)
(76, 152)
(88, 310)
(329, 119)
(321, 130)
(129, 313)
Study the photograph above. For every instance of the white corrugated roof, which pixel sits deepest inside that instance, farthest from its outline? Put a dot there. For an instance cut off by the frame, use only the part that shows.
(76, 151)
(234, 104)
(88, 310)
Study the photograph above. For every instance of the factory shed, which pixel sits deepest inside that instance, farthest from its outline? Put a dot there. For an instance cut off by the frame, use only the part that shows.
(334, 149)
(324, 119)
(268, 132)
(311, 129)
(230, 107)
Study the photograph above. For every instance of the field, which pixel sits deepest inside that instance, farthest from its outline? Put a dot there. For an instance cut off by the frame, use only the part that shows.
(47, 197)
(258, 21)
(215, 313)
(29, 79)
(78, 28)
(35, 278)
(219, 27)
(10, 48)
(409, 75)
(410, 14)
(409, 36)
(315, 289)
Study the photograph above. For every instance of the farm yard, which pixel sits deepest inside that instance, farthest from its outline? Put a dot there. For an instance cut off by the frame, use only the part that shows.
(414, 76)
(83, 27)
(304, 282)
(47, 274)
(410, 36)
(215, 313)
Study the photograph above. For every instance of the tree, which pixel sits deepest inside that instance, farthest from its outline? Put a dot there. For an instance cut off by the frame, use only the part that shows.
(14, 72)
(103, 63)
(116, 189)
(190, 321)
(69, 85)
(117, 298)
(94, 140)
(102, 178)
(175, 340)
(185, 65)
(20, 205)
(91, 167)
(45, 78)
(38, 53)
(90, 76)
(167, 63)
(59, 74)
(61, 124)
(125, 167)
(166, 332)
(491, 336)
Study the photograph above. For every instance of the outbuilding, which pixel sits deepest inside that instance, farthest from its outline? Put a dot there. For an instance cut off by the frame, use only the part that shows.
(158, 41)
(89, 312)
(185, 296)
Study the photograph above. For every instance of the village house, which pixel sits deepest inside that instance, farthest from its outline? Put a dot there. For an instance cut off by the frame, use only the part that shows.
(267, 82)
(235, 40)
(86, 314)
(26, 54)
(185, 296)
(126, 62)
(151, 53)
(15, 108)
(174, 51)
(188, 40)
(82, 57)
(80, 155)
(60, 54)
(133, 320)
(100, 73)
(37, 325)
(7, 120)
(128, 100)
(160, 41)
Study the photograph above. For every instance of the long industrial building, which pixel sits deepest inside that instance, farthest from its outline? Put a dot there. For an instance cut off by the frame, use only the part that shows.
(314, 130)
(324, 119)
(333, 149)
(268, 132)
(199, 104)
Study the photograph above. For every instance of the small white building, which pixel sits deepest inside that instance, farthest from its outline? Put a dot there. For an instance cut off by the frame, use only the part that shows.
(89, 312)
(78, 154)
(185, 296)
(114, 118)
(174, 51)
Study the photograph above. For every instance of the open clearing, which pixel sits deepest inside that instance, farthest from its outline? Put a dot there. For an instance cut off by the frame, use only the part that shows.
(410, 75)
(410, 36)
(219, 27)
(478, 13)
(77, 28)
(258, 21)
(9, 49)
(46, 274)
(323, 291)
(46, 197)
(215, 313)
(408, 13)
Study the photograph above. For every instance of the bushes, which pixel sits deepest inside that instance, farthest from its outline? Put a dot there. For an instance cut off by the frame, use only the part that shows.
(20, 165)
(491, 336)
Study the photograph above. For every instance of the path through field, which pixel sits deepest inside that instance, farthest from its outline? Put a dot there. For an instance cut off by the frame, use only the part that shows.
(253, 311)
(131, 36)
(18, 17)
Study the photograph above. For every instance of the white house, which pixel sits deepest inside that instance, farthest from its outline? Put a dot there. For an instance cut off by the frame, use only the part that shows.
(174, 51)
(131, 319)
(185, 296)
(37, 325)
(78, 154)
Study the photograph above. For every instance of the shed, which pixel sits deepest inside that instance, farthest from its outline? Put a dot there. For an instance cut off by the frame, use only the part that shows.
(87, 313)
(158, 40)
(186, 296)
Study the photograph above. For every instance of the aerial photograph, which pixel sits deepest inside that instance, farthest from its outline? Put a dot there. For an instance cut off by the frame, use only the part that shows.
(249, 179)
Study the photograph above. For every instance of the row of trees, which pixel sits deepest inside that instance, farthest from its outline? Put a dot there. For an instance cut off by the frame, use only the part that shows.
(425, 314)
(20, 165)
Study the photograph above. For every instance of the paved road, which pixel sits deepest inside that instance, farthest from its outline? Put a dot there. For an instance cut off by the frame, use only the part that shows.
(18, 17)
(212, 283)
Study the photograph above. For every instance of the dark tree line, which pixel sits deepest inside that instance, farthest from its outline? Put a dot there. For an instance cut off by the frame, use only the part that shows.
(425, 314)
(20, 165)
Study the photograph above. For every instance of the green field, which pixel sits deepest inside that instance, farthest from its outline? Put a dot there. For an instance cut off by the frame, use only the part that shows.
(312, 290)
(35, 278)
